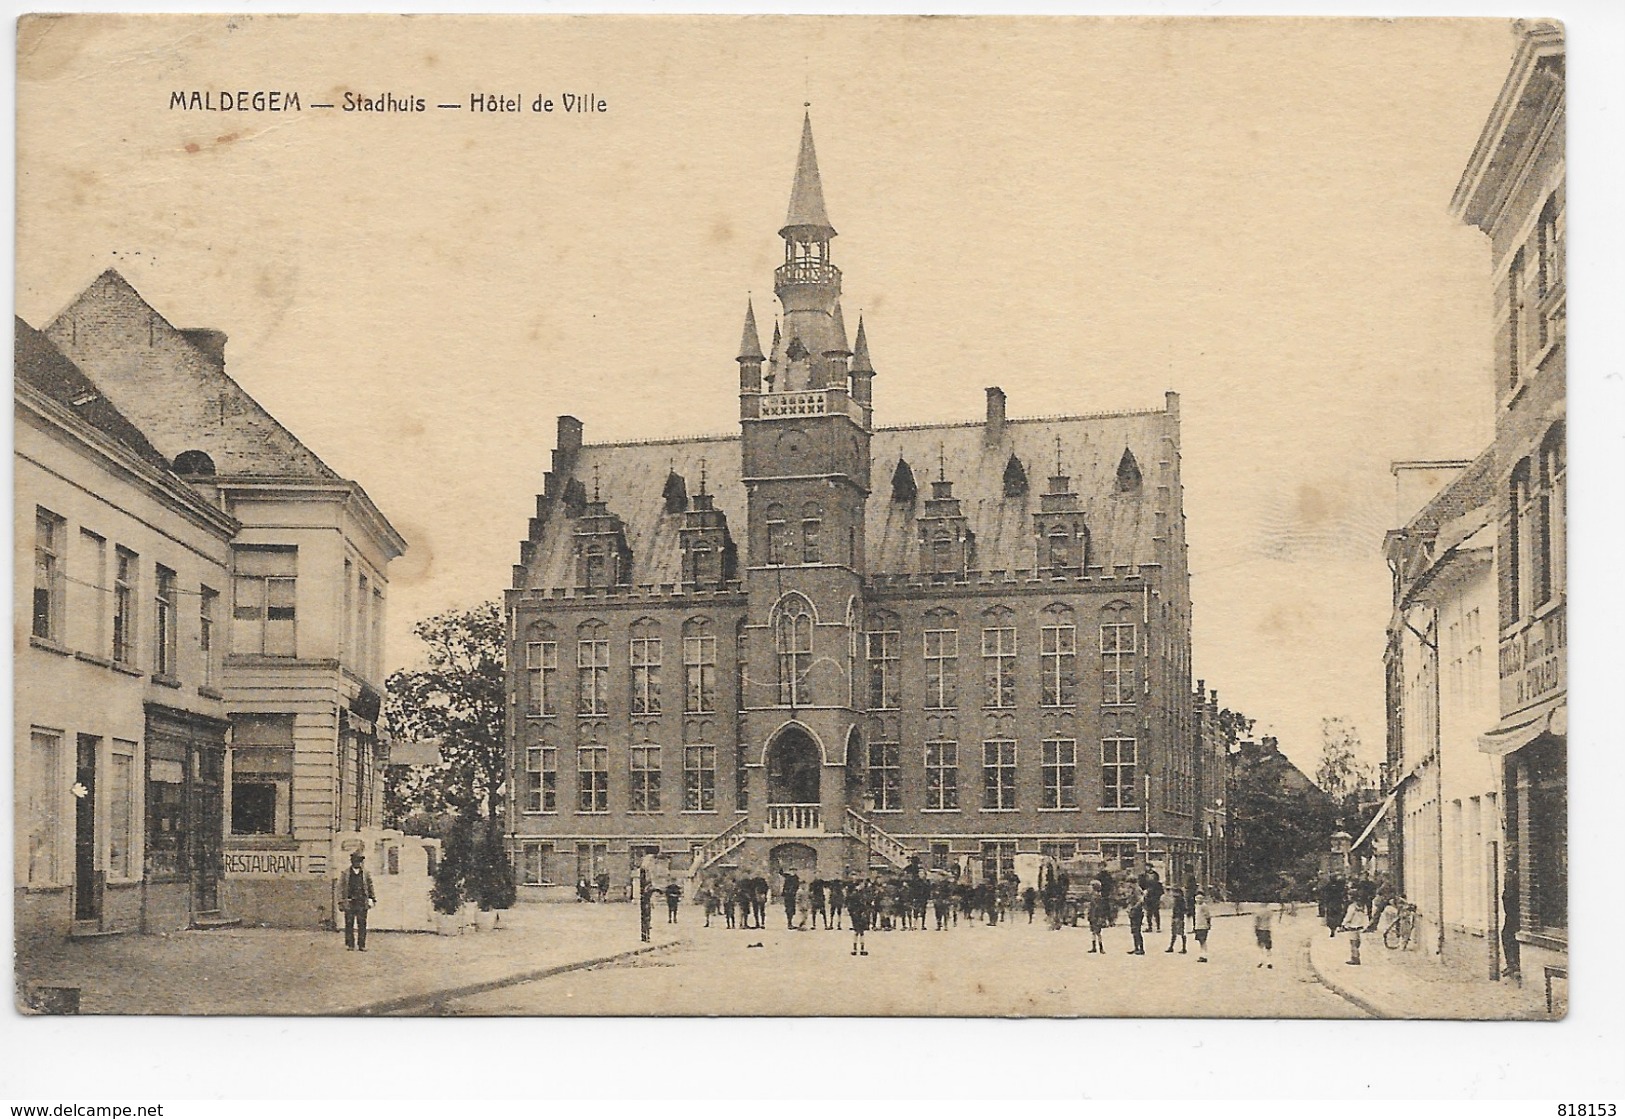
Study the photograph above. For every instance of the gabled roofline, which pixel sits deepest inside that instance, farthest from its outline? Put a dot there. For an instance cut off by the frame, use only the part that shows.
(1540, 40)
(1128, 414)
(189, 502)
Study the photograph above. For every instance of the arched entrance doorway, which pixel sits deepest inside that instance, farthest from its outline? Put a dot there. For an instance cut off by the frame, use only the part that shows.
(793, 765)
(793, 856)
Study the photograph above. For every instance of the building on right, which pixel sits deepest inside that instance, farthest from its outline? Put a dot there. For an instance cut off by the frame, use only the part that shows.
(1513, 190)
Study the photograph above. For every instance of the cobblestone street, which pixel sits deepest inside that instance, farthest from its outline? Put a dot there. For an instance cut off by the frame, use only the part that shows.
(283, 971)
(1012, 969)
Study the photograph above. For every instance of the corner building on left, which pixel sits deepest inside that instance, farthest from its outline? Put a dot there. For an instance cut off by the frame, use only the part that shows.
(197, 637)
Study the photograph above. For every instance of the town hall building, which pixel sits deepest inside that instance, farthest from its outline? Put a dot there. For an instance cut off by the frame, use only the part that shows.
(829, 644)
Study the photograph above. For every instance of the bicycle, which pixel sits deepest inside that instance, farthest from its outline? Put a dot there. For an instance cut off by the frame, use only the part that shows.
(1403, 928)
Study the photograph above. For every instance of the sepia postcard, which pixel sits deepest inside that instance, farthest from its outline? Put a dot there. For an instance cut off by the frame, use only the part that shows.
(790, 516)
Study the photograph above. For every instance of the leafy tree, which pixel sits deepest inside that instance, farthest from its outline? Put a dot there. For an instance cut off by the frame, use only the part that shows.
(1280, 822)
(456, 698)
(1340, 772)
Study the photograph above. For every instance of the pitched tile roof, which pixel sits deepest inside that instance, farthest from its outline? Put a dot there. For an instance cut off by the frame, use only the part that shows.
(629, 478)
(40, 364)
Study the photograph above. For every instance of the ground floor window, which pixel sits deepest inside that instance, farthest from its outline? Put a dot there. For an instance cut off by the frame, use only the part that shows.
(1060, 851)
(592, 859)
(940, 856)
(262, 775)
(1546, 842)
(1125, 855)
(121, 814)
(166, 813)
(44, 793)
(537, 865)
(998, 859)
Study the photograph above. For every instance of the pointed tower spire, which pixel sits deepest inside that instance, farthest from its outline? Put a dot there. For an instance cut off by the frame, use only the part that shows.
(750, 344)
(840, 333)
(860, 351)
(807, 192)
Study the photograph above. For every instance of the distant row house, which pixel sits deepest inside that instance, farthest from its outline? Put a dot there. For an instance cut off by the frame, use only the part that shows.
(1477, 650)
(198, 642)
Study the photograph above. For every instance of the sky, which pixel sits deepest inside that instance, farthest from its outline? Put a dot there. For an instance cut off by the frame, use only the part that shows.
(1084, 212)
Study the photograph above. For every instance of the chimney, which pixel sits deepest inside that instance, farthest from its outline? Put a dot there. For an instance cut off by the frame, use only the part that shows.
(995, 415)
(211, 342)
(569, 445)
(569, 434)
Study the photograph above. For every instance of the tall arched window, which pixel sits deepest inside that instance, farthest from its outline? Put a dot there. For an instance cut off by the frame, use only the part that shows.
(699, 667)
(792, 633)
(645, 658)
(812, 523)
(942, 552)
(853, 635)
(592, 668)
(1521, 542)
(1553, 514)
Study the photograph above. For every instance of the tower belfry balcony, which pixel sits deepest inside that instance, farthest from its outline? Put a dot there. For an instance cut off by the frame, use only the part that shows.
(807, 271)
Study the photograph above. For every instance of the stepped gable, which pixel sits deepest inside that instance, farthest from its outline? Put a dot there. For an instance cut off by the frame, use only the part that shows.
(173, 384)
(44, 367)
(629, 479)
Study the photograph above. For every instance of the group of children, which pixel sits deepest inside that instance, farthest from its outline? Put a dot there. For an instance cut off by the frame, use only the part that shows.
(1181, 908)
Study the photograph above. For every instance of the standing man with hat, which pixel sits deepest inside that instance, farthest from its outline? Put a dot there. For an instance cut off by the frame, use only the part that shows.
(358, 897)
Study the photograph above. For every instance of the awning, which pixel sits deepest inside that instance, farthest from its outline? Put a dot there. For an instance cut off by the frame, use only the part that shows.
(1518, 731)
(1388, 802)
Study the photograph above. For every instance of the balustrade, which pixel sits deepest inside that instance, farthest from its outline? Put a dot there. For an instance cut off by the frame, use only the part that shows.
(793, 404)
(795, 818)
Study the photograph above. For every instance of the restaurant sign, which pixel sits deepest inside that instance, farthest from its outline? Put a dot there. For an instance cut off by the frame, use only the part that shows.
(266, 864)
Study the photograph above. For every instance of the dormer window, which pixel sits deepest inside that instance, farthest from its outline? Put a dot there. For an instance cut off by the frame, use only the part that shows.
(705, 564)
(595, 568)
(1061, 557)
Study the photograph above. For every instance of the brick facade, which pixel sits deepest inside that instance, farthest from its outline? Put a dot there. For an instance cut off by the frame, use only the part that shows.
(963, 640)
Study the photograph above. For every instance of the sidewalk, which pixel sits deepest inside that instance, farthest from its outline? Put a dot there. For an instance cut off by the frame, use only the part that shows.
(1414, 983)
(286, 971)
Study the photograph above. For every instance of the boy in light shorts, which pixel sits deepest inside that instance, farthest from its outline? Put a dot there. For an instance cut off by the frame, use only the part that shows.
(1263, 923)
(1201, 924)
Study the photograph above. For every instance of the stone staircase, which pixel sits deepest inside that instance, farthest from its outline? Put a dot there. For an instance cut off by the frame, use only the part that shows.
(878, 842)
(719, 845)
